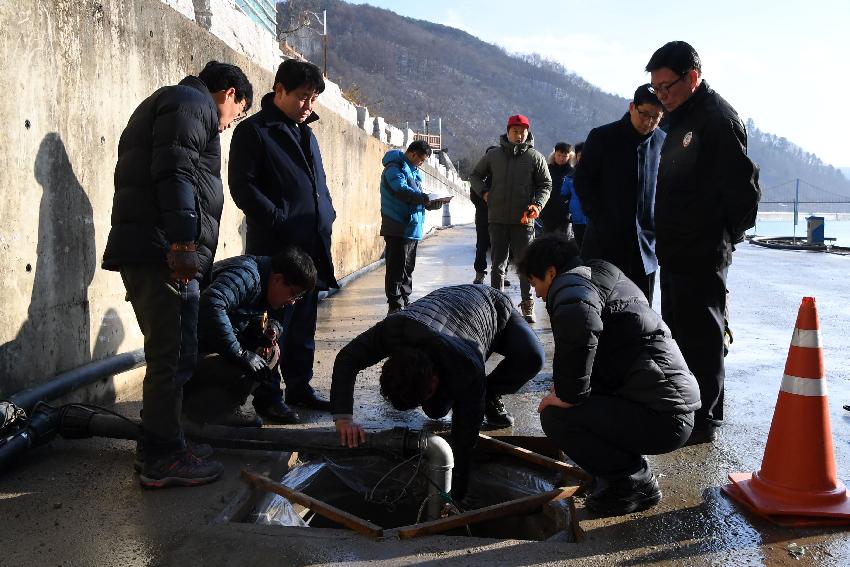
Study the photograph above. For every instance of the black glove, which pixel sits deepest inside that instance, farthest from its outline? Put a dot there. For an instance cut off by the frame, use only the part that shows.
(183, 260)
(272, 333)
(255, 366)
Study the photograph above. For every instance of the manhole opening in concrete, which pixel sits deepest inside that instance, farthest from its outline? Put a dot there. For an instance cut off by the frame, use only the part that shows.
(391, 494)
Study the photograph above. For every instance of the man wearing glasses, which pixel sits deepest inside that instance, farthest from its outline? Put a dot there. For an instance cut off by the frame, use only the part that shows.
(707, 197)
(277, 178)
(238, 336)
(165, 214)
(615, 182)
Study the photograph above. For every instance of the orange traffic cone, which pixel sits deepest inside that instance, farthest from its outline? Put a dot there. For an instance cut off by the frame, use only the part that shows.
(797, 475)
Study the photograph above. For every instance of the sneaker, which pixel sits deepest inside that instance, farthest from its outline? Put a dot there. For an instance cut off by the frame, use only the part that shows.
(179, 469)
(200, 450)
(496, 413)
(527, 307)
(240, 418)
(278, 412)
(507, 283)
(618, 498)
(479, 277)
(393, 308)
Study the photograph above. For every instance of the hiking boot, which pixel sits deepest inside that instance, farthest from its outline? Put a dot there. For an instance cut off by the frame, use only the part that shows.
(179, 469)
(527, 307)
(496, 413)
(278, 412)
(479, 277)
(200, 450)
(393, 308)
(623, 497)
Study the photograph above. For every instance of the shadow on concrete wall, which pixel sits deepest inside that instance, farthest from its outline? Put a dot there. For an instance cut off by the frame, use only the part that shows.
(56, 335)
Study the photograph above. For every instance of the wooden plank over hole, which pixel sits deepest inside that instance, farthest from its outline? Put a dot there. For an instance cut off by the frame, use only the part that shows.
(569, 471)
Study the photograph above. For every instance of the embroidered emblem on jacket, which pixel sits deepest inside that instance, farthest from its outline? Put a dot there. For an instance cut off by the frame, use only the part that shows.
(686, 141)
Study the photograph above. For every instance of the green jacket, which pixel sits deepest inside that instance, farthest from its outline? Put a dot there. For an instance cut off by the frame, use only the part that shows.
(516, 176)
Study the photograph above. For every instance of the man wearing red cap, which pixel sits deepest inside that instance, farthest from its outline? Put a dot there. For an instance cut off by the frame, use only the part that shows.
(519, 186)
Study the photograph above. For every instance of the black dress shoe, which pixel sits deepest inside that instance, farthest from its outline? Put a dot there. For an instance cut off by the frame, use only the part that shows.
(620, 498)
(278, 412)
(702, 434)
(308, 400)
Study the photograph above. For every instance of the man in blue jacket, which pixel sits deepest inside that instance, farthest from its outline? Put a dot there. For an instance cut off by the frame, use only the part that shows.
(615, 181)
(621, 388)
(277, 178)
(403, 204)
(165, 214)
(239, 338)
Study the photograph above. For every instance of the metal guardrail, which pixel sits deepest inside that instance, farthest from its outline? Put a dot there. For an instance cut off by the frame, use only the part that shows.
(262, 12)
(433, 140)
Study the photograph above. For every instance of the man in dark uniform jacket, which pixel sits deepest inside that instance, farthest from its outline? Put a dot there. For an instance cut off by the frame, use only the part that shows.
(621, 388)
(615, 181)
(707, 197)
(165, 214)
(435, 350)
(277, 178)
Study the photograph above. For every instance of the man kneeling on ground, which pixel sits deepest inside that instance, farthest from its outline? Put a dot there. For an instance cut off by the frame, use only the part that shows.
(435, 350)
(621, 386)
(241, 340)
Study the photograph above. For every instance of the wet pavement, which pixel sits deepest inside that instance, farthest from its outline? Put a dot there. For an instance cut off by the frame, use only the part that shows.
(77, 503)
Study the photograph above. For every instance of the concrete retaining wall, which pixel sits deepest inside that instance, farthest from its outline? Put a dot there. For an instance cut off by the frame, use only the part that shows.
(74, 70)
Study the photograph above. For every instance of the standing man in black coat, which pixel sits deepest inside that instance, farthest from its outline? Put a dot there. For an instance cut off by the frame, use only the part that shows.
(436, 349)
(555, 216)
(621, 388)
(165, 215)
(277, 178)
(615, 181)
(707, 197)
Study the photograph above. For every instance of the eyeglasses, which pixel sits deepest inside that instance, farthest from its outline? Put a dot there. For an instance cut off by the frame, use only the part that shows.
(665, 89)
(297, 296)
(652, 118)
(242, 115)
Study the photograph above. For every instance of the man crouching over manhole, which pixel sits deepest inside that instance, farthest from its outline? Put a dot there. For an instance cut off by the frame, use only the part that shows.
(435, 350)
(621, 386)
(240, 337)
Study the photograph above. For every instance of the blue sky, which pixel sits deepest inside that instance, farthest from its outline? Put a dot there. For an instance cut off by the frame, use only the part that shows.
(784, 64)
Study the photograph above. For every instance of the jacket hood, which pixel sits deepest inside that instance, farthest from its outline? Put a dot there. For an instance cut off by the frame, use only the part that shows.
(516, 148)
(394, 156)
(276, 115)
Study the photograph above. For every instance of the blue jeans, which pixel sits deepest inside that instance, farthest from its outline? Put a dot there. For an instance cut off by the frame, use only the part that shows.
(167, 312)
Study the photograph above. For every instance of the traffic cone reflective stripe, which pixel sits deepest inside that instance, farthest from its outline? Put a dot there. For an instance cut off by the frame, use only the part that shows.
(797, 475)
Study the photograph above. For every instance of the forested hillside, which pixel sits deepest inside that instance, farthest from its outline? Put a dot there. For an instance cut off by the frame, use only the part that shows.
(404, 69)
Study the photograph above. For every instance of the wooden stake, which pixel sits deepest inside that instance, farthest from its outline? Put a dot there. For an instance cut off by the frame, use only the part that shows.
(568, 470)
(519, 506)
(350, 521)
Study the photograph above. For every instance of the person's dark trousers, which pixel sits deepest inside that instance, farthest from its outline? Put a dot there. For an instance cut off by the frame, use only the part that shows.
(578, 233)
(608, 436)
(505, 239)
(167, 313)
(482, 238)
(216, 390)
(523, 358)
(297, 351)
(400, 256)
(646, 283)
(692, 305)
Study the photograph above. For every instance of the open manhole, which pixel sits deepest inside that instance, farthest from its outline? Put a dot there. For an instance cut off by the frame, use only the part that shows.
(392, 493)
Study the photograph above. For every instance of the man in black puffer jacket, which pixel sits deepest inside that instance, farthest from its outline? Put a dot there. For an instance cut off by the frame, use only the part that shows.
(436, 349)
(239, 339)
(621, 387)
(165, 215)
(707, 197)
